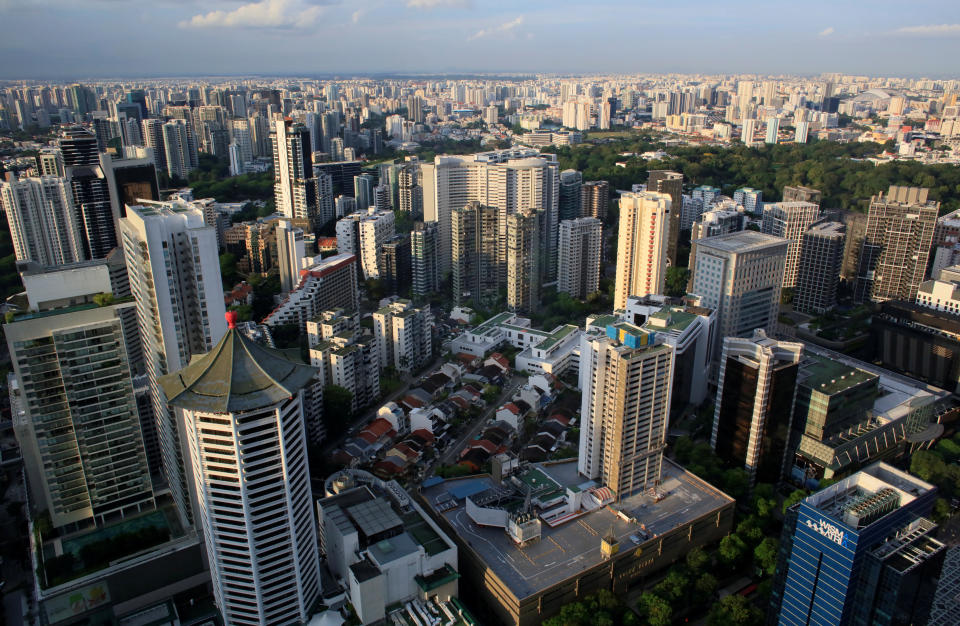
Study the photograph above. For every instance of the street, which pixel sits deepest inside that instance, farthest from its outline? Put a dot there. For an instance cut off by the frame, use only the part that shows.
(455, 447)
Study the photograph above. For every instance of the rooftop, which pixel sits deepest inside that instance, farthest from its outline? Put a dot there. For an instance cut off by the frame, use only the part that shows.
(830, 377)
(571, 548)
(743, 241)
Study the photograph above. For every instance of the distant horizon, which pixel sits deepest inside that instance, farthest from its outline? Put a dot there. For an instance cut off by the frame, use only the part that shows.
(54, 40)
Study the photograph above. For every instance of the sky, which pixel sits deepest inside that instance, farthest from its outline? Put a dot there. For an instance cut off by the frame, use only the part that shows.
(75, 39)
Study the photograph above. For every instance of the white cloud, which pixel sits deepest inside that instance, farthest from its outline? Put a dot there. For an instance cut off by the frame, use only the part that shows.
(506, 27)
(931, 29)
(826, 32)
(355, 18)
(263, 14)
(434, 4)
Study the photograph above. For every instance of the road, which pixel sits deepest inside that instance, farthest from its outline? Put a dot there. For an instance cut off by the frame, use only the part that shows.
(454, 448)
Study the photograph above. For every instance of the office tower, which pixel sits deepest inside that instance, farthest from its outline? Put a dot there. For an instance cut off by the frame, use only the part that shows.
(570, 202)
(410, 191)
(345, 356)
(91, 195)
(395, 265)
(50, 162)
(755, 398)
(670, 183)
(82, 98)
(523, 261)
(153, 139)
(740, 276)
(425, 259)
(242, 412)
(595, 199)
(789, 220)
(174, 273)
(625, 376)
(177, 149)
(507, 180)
(294, 181)
(642, 245)
(801, 194)
(896, 246)
(478, 272)
(581, 244)
(818, 273)
(131, 176)
(341, 175)
(749, 198)
(749, 131)
(79, 429)
(801, 132)
(859, 552)
(403, 334)
(329, 284)
(773, 128)
(290, 254)
(43, 224)
(363, 191)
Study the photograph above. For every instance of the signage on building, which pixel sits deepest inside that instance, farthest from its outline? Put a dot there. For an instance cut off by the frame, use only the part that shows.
(828, 530)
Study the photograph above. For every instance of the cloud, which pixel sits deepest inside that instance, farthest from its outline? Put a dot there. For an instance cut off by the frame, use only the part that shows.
(355, 18)
(263, 14)
(506, 27)
(826, 32)
(931, 29)
(435, 4)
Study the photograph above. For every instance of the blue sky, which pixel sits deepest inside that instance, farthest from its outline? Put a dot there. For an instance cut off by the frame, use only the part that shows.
(105, 38)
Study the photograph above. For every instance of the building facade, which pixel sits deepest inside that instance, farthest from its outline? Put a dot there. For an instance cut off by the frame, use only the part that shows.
(642, 245)
(818, 272)
(789, 220)
(581, 245)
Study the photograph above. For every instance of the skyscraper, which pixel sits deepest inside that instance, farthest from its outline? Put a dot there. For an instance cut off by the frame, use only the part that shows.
(773, 128)
(478, 271)
(755, 398)
(625, 377)
(410, 191)
(818, 275)
(858, 552)
(43, 224)
(131, 176)
(363, 191)
(581, 243)
(241, 406)
(294, 183)
(91, 195)
(153, 139)
(395, 265)
(789, 220)
(523, 260)
(177, 148)
(571, 202)
(424, 259)
(749, 131)
(896, 247)
(740, 276)
(174, 274)
(670, 183)
(403, 334)
(595, 199)
(642, 245)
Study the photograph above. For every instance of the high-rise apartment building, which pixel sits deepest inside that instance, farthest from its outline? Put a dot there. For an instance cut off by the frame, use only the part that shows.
(749, 198)
(789, 220)
(403, 333)
(76, 417)
(331, 283)
(409, 190)
(523, 260)
(818, 273)
(625, 378)
(755, 398)
(507, 180)
(642, 245)
(896, 246)
(363, 234)
(294, 182)
(242, 412)
(581, 244)
(177, 148)
(174, 273)
(740, 275)
(425, 259)
(363, 191)
(478, 270)
(43, 224)
(395, 265)
(290, 254)
(749, 131)
(773, 130)
(670, 183)
(796, 193)
(595, 199)
(570, 202)
(345, 356)
(131, 176)
(91, 194)
(860, 551)
(153, 138)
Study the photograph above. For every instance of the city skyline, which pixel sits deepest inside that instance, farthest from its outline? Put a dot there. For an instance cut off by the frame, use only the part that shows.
(311, 37)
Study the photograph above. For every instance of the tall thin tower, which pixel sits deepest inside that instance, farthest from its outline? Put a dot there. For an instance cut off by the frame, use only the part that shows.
(642, 245)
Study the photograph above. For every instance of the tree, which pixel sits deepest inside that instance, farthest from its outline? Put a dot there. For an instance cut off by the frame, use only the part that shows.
(697, 559)
(765, 555)
(244, 312)
(103, 299)
(734, 610)
(655, 609)
(705, 586)
(490, 393)
(676, 281)
(795, 496)
(732, 550)
(736, 482)
(337, 409)
(228, 270)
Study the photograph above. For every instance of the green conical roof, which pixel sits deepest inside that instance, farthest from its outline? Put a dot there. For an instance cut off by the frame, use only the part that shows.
(237, 375)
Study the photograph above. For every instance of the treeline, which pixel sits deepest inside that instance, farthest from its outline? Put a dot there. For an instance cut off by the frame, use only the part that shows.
(839, 170)
(212, 180)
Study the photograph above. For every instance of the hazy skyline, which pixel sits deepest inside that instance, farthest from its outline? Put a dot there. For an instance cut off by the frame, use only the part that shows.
(57, 39)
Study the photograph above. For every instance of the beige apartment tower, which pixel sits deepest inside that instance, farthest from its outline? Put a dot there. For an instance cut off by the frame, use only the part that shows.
(642, 245)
